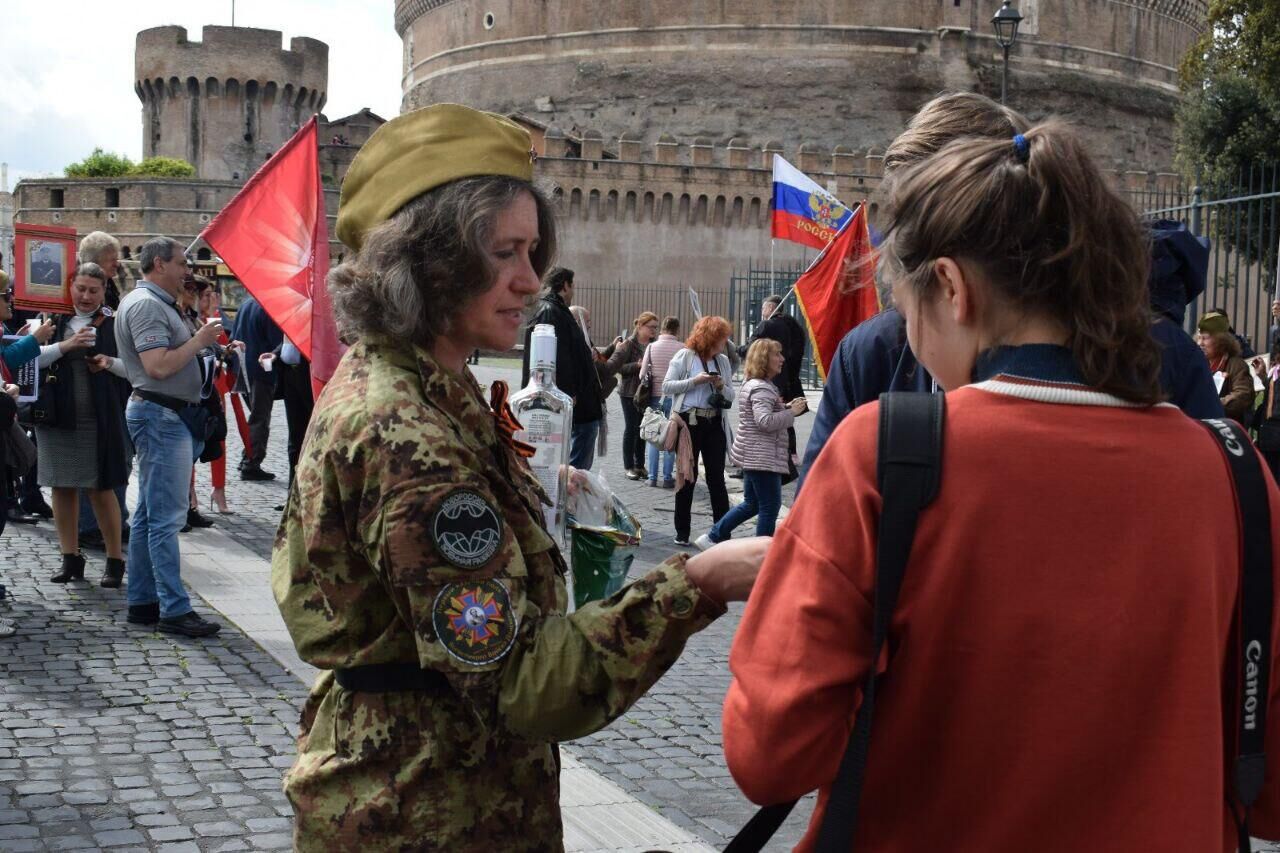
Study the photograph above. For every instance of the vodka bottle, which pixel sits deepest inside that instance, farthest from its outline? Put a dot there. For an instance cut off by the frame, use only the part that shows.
(546, 413)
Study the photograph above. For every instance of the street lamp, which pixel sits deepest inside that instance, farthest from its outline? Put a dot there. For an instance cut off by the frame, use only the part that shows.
(1006, 23)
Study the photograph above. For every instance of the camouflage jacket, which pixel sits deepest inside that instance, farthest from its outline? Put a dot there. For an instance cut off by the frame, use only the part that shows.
(414, 534)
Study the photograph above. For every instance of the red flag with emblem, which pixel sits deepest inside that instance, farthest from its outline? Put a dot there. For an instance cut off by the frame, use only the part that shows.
(275, 238)
(838, 291)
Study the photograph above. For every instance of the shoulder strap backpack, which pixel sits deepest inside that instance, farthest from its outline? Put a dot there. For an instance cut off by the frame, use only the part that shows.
(909, 470)
(909, 467)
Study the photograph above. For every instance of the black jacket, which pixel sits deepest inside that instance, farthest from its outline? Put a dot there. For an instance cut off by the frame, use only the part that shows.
(787, 331)
(110, 395)
(575, 363)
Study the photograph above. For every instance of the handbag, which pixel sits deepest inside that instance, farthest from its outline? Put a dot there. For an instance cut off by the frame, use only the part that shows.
(653, 427)
(22, 450)
(44, 409)
(198, 422)
(217, 427)
(644, 389)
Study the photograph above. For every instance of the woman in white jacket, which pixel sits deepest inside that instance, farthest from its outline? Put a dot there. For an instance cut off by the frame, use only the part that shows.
(696, 383)
(760, 447)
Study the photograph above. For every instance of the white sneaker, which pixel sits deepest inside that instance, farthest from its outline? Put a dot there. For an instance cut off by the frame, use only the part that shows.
(7, 628)
(703, 542)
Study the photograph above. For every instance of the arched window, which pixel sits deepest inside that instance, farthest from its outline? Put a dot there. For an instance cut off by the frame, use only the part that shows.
(575, 202)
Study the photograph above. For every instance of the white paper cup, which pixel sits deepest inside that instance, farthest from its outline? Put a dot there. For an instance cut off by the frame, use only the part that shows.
(93, 333)
(268, 363)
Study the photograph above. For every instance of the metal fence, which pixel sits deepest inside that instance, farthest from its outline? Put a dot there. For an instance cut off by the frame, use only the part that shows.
(1241, 218)
(613, 308)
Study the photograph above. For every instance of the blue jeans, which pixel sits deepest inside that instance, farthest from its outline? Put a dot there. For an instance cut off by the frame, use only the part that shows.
(668, 457)
(89, 521)
(164, 454)
(762, 497)
(582, 449)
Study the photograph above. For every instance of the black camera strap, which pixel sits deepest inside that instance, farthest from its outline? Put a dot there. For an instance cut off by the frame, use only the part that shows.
(1254, 603)
(909, 470)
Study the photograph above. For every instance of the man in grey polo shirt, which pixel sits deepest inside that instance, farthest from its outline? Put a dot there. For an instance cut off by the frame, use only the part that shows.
(160, 358)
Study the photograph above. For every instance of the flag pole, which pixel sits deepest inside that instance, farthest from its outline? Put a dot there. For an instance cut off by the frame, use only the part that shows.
(772, 242)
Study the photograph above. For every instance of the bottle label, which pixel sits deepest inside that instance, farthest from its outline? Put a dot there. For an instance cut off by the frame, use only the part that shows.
(540, 431)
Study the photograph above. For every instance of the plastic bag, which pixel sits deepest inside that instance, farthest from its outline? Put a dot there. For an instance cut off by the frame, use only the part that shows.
(605, 536)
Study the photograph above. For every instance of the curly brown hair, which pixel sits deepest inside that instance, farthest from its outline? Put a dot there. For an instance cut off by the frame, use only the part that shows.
(421, 268)
(708, 336)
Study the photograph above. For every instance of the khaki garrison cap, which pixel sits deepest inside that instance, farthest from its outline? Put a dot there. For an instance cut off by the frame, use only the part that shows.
(420, 151)
(1214, 323)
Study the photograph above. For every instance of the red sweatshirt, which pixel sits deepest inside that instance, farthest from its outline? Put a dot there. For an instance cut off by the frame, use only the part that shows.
(1057, 650)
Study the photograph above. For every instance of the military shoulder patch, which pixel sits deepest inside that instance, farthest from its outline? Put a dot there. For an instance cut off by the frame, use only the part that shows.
(466, 529)
(474, 621)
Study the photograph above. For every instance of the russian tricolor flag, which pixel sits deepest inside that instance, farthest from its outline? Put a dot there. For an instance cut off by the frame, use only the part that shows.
(803, 211)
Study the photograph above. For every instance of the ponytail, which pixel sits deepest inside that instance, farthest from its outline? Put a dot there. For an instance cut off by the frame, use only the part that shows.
(1037, 217)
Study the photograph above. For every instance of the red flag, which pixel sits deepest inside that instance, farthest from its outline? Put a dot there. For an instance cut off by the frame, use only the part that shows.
(838, 291)
(274, 237)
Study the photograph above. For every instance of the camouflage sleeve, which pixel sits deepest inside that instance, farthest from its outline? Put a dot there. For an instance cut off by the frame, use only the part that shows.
(580, 672)
(458, 575)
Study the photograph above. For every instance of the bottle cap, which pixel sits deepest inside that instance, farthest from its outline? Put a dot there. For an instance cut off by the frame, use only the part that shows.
(542, 347)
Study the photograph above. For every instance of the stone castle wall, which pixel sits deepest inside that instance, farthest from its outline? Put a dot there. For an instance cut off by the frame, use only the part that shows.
(831, 71)
(225, 103)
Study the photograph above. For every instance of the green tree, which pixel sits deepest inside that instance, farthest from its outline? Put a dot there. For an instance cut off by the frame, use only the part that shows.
(1229, 121)
(100, 164)
(164, 167)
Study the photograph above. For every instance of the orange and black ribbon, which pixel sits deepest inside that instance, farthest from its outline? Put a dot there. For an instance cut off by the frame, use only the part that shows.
(505, 420)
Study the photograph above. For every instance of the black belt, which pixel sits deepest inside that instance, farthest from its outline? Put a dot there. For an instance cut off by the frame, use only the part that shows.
(391, 678)
(162, 400)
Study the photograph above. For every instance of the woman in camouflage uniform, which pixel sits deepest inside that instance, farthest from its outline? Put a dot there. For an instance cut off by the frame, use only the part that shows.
(412, 563)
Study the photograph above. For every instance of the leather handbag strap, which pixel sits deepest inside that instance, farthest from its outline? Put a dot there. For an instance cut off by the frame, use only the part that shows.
(909, 471)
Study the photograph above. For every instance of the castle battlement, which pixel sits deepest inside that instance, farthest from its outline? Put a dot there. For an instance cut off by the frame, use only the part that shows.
(225, 103)
(704, 184)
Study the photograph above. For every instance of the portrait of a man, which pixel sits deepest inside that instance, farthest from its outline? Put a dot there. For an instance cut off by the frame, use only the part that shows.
(45, 263)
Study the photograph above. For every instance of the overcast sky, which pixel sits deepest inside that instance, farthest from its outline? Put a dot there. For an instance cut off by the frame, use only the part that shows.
(66, 67)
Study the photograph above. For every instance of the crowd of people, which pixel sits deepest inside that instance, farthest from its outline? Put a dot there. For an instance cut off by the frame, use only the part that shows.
(138, 387)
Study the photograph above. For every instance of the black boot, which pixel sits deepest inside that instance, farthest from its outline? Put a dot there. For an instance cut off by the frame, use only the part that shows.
(72, 569)
(113, 574)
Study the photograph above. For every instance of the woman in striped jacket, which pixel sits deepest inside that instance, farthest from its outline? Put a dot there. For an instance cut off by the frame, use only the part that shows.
(760, 445)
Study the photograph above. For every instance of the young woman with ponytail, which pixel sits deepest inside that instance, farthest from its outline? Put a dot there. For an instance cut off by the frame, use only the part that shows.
(1057, 656)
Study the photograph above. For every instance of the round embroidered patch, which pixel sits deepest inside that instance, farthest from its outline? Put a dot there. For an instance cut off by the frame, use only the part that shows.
(466, 529)
(474, 621)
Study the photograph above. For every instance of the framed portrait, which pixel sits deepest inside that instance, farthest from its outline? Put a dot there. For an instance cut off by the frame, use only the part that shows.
(44, 263)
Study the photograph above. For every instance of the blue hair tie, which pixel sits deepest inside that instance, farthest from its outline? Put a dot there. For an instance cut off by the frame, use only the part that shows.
(1021, 148)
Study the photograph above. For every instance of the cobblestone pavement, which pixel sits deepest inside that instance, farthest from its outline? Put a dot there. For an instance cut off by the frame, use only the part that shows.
(113, 736)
